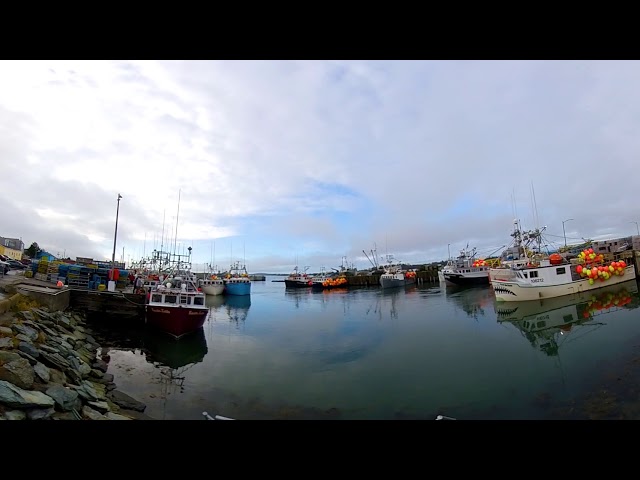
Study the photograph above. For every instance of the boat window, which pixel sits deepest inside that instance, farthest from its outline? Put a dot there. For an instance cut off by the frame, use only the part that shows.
(170, 298)
(525, 274)
(183, 299)
(560, 270)
(533, 274)
(541, 324)
(198, 301)
(156, 298)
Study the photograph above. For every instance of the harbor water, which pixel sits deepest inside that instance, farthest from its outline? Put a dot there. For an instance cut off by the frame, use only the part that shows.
(405, 353)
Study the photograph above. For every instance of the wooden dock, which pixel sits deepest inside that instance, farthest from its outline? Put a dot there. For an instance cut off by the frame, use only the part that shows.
(117, 304)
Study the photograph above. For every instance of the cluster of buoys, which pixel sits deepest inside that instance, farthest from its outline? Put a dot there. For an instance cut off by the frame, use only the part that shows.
(334, 282)
(479, 263)
(410, 274)
(605, 302)
(588, 256)
(214, 277)
(601, 272)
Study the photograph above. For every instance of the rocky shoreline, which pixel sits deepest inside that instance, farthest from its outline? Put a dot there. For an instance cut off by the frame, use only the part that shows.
(52, 368)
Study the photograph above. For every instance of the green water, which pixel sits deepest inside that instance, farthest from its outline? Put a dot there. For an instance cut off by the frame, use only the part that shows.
(371, 354)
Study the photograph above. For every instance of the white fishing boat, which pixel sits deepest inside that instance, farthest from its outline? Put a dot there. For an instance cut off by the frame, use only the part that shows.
(212, 285)
(395, 275)
(555, 277)
(465, 270)
(526, 247)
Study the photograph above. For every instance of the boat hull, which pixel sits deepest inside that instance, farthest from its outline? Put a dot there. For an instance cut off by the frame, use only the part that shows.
(243, 288)
(396, 282)
(462, 280)
(176, 320)
(213, 289)
(298, 283)
(507, 291)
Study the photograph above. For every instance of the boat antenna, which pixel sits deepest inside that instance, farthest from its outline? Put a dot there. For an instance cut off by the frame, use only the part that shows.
(164, 212)
(175, 239)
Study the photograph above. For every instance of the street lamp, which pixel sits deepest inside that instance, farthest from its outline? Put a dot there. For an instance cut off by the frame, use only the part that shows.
(637, 228)
(115, 236)
(449, 251)
(563, 232)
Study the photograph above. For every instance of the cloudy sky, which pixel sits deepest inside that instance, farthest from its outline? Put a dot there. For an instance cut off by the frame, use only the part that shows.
(278, 162)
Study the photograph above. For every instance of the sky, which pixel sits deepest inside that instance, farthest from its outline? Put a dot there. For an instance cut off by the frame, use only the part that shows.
(311, 163)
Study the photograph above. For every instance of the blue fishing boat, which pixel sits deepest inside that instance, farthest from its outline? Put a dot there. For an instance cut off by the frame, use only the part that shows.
(237, 281)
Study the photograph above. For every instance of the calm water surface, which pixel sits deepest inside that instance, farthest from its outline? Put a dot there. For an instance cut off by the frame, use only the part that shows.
(376, 354)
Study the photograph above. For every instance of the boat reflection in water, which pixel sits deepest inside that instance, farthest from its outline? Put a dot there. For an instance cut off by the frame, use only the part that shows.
(471, 300)
(214, 302)
(173, 354)
(237, 307)
(543, 322)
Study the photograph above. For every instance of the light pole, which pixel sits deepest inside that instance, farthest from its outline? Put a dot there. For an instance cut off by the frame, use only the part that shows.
(563, 232)
(448, 251)
(115, 236)
(637, 228)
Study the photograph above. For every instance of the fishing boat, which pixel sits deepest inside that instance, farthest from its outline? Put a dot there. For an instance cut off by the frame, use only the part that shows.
(555, 277)
(394, 275)
(298, 279)
(525, 247)
(466, 270)
(330, 283)
(237, 281)
(212, 285)
(177, 306)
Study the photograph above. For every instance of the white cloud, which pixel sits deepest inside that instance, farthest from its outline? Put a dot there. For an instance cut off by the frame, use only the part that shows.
(315, 158)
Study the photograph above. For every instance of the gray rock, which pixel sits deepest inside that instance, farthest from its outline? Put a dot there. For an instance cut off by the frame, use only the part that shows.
(69, 339)
(106, 380)
(6, 342)
(90, 414)
(97, 375)
(6, 332)
(54, 360)
(86, 355)
(48, 348)
(101, 407)
(62, 320)
(40, 413)
(74, 362)
(27, 357)
(6, 357)
(18, 398)
(57, 376)
(26, 314)
(65, 398)
(80, 328)
(74, 376)
(78, 335)
(49, 332)
(19, 372)
(15, 415)
(23, 338)
(125, 401)
(29, 348)
(42, 372)
(84, 370)
(115, 416)
(66, 345)
(30, 333)
(100, 365)
(64, 416)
